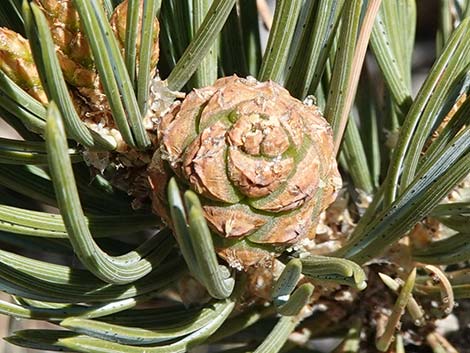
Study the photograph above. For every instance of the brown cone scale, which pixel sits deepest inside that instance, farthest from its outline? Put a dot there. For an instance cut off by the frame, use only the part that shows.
(261, 161)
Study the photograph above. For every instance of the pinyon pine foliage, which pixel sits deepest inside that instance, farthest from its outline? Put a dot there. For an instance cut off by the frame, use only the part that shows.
(175, 186)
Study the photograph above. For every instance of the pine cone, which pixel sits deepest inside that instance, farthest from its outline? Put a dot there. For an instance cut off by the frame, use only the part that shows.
(75, 54)
(16, 61)
(72, 46)
(261, 161)
(118, 22)
(75, 59)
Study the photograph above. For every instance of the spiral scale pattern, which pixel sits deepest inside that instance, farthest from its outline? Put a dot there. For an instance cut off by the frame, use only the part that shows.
(261, 161)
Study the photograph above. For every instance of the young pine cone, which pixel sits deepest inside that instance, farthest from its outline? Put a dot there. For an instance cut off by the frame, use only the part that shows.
(75, 59)
(16, 61)
(74, 51)
(261, 161)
